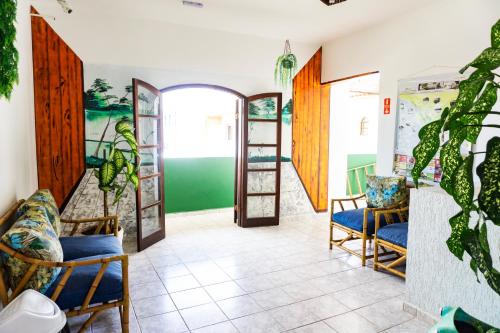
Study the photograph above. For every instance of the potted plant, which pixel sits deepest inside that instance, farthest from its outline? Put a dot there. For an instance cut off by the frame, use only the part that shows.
(286, 66)
(118, 169)
(464, 121)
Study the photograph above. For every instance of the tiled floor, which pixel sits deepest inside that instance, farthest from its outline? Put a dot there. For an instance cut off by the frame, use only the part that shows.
(210, 276)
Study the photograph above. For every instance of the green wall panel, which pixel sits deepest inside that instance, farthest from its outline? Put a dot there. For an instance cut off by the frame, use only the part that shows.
(358, 160)
(198, 183)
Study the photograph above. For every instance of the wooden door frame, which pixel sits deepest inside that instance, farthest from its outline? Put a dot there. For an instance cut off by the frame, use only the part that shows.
(160, 234)
(240, 97)
(262, 221)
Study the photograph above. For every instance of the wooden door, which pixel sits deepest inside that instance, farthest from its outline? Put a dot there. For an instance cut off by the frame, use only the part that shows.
(149, 135)
(261, 161)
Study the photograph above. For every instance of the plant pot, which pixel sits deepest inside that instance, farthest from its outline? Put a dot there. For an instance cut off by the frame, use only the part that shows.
(456, 320)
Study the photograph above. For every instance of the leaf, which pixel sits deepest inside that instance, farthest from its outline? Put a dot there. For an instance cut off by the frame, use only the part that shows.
(130, 168)
(483, 237)
(468, 90)
(473, 266)
(134, 180)
(119, 160)
(463, 184)
(478, 112)
(107, 174)
(459, 224)
(130, 138)
(489, 174)
(495, 35)
(482, 258)
(124, 125)
(450, 159)
(488, 60)
(426, 148)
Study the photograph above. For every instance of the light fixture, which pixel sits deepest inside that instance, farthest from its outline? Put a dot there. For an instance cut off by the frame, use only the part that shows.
(332, 2)
(65, 7)
(195, 4)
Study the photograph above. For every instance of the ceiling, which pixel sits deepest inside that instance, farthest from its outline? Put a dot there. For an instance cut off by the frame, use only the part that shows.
(307, 21)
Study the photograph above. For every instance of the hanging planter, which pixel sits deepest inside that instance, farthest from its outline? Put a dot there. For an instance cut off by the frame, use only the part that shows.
(286, 66)
(9, 56)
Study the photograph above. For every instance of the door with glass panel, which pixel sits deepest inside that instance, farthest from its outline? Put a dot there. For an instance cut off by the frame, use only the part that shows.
(149, 136)
(261, 157)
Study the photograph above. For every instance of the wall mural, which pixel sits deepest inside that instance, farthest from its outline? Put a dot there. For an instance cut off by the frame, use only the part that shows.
(108, 99)
(103, 108)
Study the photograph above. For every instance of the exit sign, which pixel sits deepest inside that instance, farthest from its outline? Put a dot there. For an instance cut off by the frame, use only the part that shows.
(387, 106)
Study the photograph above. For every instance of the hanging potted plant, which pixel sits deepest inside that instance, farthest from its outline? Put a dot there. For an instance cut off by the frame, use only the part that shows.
(286, 66)
(9, 56)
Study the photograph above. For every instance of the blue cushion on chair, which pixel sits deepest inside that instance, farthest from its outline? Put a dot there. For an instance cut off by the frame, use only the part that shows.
(353, 219)
(396, 233)
(86, 246)
(76, 288)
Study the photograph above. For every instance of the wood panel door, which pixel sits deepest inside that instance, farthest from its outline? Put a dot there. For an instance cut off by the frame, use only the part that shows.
(149, 135)
(261, 161)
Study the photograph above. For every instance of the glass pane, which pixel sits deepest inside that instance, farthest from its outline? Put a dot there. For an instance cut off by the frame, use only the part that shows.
(263, 108)
(261, 133)
(260, 206)
(149, 103)
(151, 221)
(150, 191)
(261, 157)
(150, 161)
(261, 182)
(148, 131)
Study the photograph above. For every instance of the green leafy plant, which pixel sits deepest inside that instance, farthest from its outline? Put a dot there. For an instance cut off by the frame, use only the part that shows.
(119, 168)
(9, 57)
(286, 66)
(463, 121)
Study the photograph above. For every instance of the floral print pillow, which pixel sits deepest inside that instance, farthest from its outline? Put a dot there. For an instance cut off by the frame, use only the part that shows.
(32, 235)
(45, 200)
(383, 192)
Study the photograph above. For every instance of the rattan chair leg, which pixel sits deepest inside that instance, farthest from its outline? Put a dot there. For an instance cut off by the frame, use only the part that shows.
(331, 236)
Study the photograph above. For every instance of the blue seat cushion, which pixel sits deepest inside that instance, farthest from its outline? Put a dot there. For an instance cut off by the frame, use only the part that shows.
(76, 288)
(86, 246)
(353, 219)
(396, 233)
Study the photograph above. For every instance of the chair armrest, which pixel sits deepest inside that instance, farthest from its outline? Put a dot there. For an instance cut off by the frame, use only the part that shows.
(70, 266)
(381, 211)
(101, 222)
(341, 200)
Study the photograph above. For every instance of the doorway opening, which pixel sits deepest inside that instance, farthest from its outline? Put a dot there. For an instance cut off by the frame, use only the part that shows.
(200, 138)
(353, 134)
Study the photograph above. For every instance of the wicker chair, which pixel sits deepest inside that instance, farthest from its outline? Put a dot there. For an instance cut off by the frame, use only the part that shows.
(393, 236)
(89, 284)
(358, 223)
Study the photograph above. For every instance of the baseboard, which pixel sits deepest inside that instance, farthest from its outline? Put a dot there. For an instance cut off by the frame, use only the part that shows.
(419, 313)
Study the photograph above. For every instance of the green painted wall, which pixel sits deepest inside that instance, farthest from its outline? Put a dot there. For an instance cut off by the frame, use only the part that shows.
(357, 160)
(198, 183)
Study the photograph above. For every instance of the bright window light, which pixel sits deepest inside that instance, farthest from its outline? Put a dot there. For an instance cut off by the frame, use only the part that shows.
(199, 122)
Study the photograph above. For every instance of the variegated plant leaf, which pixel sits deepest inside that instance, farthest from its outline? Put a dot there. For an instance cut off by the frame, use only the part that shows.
(468, 90)
(482, 258)
(426, 148)
(107, 174)
(489, 174)
(488, 60)
(130, 138)
(495, 35)
(450, 159)
(459, 224)
(119, 160)
(124, 125)
(474, 118)
(463, 184)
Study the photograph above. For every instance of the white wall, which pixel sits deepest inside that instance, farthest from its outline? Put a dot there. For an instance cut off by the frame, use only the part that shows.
(439, 38)
(346, 111)
(18, 177)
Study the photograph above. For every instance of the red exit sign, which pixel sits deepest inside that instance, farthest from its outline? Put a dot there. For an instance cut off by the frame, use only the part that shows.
(387, 106)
